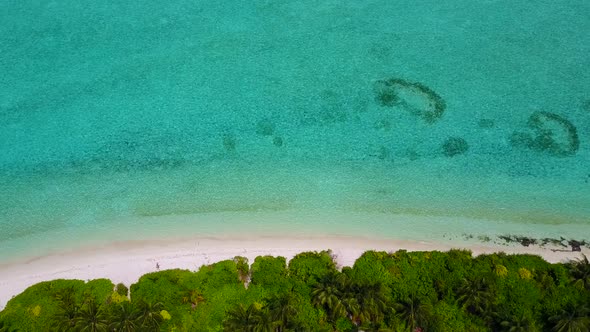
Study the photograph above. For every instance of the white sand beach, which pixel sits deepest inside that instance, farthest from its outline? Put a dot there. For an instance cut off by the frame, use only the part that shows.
(127, 261)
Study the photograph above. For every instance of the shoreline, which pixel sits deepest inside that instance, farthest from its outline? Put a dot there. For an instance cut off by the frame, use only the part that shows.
(291, 223)
(126, 261)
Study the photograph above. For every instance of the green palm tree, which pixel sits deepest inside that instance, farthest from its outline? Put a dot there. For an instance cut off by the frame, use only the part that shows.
(347, 295)
(580, 272)
(475, 295)
(372, 302)
(149, 317)
(64, 319)
(194, 297)
(414, 312)
(352, 307)
(327, 295)
(240, 318)
(520, 323)
(91, 318)
(67, 310)
(124, 317)
(3, 327)
(572, 319)
(282, 311)
(545, 280)
(263, 321)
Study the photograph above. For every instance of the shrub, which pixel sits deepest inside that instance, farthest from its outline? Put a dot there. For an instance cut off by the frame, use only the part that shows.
(242, 267)
(270, 272)
(525, 274)
(121, 289)
(165, 315)
(310, 267)
(500, 270)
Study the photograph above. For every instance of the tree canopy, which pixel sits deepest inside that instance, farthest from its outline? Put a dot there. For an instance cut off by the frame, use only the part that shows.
(401, 291)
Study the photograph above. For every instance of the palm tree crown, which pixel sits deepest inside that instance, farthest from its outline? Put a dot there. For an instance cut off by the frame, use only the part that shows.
(572, 319)
(124, 317)
(149, 317)
(413, 312)
(327, 294)
(91, 318)
(580, 272)
(520, 323)
(475, 295)
(250, 319)
(282, 311)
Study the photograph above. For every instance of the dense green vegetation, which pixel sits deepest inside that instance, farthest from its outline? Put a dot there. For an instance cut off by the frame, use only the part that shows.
(402, 291)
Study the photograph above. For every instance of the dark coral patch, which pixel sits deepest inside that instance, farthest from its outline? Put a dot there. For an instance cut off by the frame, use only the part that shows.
(412, 154)
(229, 143)
(415, 97)
(130, 151)
(486, 123)
(455, 146)
(550, 133)
(265, 128)
(277, 141)
(385, 93)
(383, 124)
(521, 140)
(384, 153)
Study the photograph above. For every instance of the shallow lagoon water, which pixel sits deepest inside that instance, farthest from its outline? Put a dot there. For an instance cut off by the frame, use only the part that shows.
(117, 112)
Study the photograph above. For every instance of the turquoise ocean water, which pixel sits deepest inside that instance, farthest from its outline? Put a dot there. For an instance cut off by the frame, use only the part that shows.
(116, 119)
